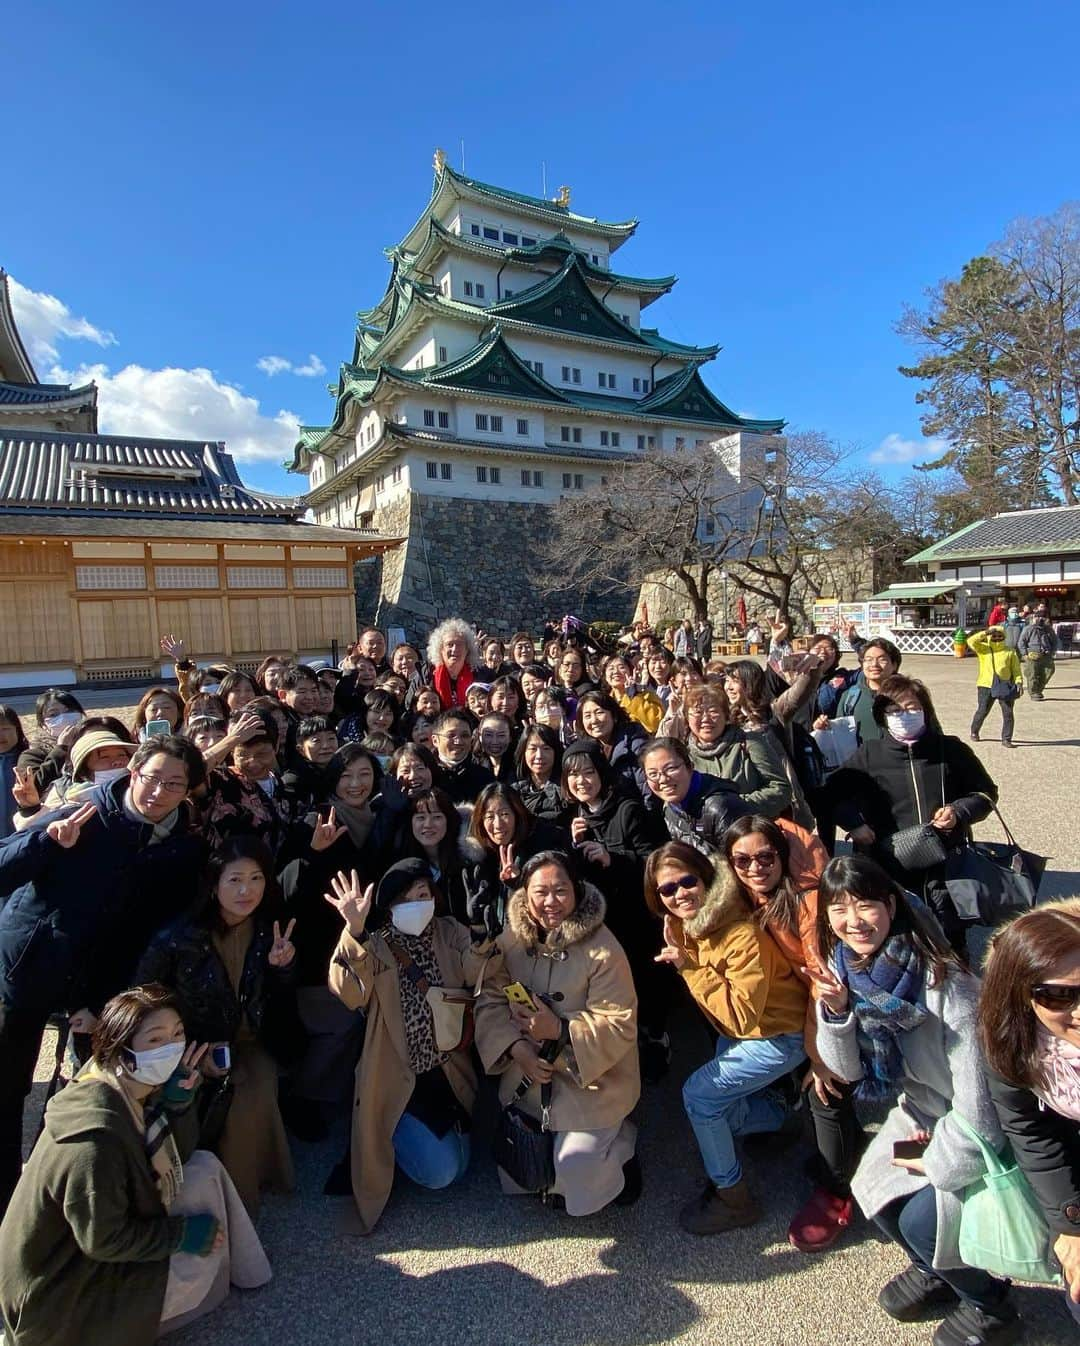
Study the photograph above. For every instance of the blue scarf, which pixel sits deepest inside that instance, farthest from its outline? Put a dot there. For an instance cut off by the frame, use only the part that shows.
(887, 999)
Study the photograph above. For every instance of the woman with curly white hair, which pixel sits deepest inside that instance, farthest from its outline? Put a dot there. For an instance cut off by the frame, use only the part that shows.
(453, 654)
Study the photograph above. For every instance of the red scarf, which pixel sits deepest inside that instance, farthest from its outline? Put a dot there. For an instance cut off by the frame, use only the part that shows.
(452, 692)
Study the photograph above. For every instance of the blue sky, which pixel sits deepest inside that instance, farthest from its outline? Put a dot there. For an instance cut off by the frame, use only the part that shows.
(194, 189)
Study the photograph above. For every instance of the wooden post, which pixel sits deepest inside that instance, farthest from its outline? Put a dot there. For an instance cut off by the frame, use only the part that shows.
(226, 619)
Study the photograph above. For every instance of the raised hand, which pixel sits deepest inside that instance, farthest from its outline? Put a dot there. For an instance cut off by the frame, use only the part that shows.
(508, 865)
(174, 647)
(282, 951)
(351, 901)
(579, 830)
(673, 952)
(191, 1076)
(326, 833)
(830, 990)
(246, 727)
(65, 831)
(25, 791)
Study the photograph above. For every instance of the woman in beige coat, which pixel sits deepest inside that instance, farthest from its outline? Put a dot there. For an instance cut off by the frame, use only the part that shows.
(413, 1101)
(580, 1036)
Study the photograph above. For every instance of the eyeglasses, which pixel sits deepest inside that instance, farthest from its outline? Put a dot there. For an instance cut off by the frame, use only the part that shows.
(706, 713)
(664, 773)
(686, 881)
(167, 787)
(760, 860)
(1055, 995)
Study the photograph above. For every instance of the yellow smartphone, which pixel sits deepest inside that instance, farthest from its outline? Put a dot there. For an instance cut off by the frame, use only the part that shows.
(518, 995)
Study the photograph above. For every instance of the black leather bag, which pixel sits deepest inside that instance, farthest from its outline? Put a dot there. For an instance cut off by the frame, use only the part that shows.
(988, 881)
(524, 1147)
(915, 848)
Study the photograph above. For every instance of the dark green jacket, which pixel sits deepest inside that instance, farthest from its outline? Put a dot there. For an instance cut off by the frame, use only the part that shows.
(85, 1243)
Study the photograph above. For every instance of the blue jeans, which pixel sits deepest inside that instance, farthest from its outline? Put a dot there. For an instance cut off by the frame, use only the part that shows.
(911, 1221)
(429, 1160)
(728, 1097)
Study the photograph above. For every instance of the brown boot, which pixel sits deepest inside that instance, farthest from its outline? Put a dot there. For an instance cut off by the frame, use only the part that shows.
(719, 1209)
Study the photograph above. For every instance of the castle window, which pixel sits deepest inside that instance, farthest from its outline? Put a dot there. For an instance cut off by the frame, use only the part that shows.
(538, 479)
(577, 375)
(444, 420)
(468, 288)
(479, 290)
(603, 439)
(566, 373)
(397, 475)
(637, 385)
(446, 471)
(577, 434)
(526, 477)
(429, 417)
(495, 475)
(475, 230)
(433, 471)
(522, 427)
(616, 438)
(680, 443)
(481, 421)
(565, 432)
(579, 482)
(496, 425)
(442, 355)
(491, 233)
(527, 242)
(510, 238)
(566, 481)
(481, 473)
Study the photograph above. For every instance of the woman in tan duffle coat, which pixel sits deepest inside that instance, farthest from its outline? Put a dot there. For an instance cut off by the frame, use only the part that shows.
(413, 1102)
(585, 1013)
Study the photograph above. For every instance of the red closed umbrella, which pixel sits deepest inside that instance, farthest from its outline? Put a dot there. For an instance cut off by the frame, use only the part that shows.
(740, 611)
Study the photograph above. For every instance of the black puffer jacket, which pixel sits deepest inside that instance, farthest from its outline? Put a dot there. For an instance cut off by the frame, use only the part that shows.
(891, 785)
(711, 805)
(183, 957)
(629, 834)
(465, 781)
(546, 802)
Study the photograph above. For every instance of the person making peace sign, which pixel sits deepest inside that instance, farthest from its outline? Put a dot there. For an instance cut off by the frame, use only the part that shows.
(231, 965)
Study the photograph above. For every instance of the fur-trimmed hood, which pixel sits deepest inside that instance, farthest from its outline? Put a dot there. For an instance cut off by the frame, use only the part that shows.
(586, 918)
(724, 905)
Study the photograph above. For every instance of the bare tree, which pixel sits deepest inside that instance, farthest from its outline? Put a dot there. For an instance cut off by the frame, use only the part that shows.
(672, 516)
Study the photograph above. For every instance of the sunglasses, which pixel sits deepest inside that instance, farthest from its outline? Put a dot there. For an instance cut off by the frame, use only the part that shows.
(1053, 995)
(687, 881)
(761, 860)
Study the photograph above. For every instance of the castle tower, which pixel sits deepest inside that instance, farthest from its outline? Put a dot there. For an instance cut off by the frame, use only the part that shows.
(505, 367)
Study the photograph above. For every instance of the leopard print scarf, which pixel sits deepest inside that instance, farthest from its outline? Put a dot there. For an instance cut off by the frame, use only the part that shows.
(415, 1010)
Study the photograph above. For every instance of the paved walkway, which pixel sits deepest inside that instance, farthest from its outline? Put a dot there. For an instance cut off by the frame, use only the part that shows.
(470, 1266)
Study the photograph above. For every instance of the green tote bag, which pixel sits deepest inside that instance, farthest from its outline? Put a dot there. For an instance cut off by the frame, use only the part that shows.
(1002, 1226)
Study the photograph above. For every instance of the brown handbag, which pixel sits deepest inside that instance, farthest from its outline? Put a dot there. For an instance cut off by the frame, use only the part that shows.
(451, 1010)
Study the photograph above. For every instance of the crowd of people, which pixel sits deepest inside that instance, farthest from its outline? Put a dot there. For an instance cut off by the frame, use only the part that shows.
(284, 898)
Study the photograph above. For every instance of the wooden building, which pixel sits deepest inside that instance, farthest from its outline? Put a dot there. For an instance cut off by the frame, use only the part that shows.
(107, 542)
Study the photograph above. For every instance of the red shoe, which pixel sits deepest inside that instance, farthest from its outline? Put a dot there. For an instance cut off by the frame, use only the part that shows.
(820, 1222)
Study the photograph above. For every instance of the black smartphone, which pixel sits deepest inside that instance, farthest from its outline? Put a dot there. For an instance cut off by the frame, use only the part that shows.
(909, 1149)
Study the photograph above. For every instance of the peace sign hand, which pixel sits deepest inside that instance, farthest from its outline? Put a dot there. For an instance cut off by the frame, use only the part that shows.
(830, 990)
(191, 1076)
(283, 950)
(25, 791)
(351, 901)
(326, 833)
(508, 865)
(673, 951)
(65, 831)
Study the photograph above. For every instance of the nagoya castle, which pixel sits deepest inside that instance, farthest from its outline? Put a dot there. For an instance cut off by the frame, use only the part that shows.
(505, 367)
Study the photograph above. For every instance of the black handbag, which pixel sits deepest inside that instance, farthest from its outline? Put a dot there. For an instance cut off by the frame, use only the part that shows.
(915, 848)
(991, 880)
(524, 1147)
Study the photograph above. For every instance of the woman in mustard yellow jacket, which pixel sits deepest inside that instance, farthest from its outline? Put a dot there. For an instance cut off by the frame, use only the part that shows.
(997, 664)
(754, 999)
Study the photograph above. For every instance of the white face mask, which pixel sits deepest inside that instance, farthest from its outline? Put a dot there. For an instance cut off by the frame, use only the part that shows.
(413, 918)
(54, 723)
(156, 1065)
(112, 773)
(905, 725)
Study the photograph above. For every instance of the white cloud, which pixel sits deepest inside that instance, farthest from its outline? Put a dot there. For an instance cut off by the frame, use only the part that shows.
(894, 449)
(43, 320)
(187, 404)
(277, 364)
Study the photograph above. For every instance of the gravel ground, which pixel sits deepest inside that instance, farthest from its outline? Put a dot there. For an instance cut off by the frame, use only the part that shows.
(471, 1266)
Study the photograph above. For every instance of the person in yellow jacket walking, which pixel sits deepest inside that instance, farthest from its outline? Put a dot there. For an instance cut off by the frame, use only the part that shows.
(1001, 679)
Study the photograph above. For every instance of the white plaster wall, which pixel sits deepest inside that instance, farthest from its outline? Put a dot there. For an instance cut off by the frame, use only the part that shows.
(464, 485)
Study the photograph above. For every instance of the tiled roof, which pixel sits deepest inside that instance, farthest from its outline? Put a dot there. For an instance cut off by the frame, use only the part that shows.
(1023, 531)
(55, 524)
(15, 395)
(44, 469)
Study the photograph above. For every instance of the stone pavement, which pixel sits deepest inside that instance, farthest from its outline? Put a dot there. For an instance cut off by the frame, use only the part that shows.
(473, 1267)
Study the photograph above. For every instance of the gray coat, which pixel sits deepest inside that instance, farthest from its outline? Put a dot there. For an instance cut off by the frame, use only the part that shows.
(943, 1069)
